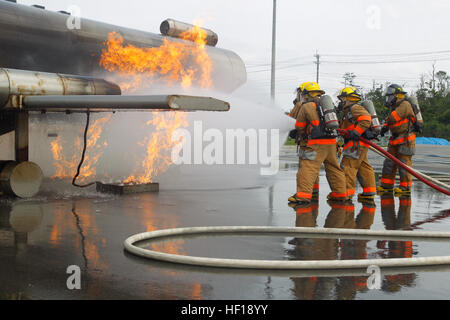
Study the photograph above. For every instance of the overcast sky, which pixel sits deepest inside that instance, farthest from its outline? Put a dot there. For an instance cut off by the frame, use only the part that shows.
(341, 31)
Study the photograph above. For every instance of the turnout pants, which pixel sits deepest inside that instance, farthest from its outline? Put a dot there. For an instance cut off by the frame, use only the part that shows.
(311, 161)
(360, 169)
(390, 168)
(316, 182)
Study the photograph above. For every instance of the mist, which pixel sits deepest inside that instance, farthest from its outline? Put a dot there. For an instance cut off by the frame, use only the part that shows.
(122, 151)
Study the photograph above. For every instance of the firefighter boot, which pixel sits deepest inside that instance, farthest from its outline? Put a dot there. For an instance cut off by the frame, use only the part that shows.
(296, 200)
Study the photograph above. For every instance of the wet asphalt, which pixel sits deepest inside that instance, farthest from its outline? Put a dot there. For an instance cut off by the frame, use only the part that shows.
(41, 237)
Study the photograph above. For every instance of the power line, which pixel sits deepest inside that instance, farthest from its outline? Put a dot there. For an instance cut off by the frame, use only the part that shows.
(265, 64)
(280, 68)
(387, 61)
(388, 54)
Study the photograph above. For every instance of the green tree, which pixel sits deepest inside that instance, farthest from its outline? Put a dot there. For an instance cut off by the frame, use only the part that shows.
(434, 103)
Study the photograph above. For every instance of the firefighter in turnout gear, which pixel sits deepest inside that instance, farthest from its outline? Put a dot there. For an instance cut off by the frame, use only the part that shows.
(402, 142)
(355, 163)
(301, 142)
(320, 148)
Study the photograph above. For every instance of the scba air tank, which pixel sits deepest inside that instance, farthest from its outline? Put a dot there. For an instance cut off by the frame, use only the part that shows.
(416, 108)
(375, 125)
(328, 111)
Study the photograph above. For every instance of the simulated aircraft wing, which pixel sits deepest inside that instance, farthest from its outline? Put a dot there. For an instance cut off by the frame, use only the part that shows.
(22, 90)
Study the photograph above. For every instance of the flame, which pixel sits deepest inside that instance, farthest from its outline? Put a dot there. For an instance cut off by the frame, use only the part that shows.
(93, 150)
(173, 61)
(66, 166)
(158, 146)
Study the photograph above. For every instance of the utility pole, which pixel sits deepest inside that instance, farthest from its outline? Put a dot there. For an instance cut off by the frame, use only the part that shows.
(274, 35)
(433, 81)
(317, 56)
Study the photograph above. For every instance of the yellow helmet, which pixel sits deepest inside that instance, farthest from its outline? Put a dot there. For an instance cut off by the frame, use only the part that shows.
(351, 93)
(311, 87)
(301, 87)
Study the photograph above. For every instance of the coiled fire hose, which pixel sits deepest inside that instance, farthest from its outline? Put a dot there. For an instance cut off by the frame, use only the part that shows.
(303, 232)
(398, 235)
(399, 163)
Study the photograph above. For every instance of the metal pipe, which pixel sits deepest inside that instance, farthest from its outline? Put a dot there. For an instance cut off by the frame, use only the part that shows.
(123, 103)
(175, 29)
(17, 83)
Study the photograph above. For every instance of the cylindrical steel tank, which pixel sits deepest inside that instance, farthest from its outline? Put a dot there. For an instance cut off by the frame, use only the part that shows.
(174, 28)
(370, 107)
(20, 82)
(20, 179)
(39, 40)
(329, 112)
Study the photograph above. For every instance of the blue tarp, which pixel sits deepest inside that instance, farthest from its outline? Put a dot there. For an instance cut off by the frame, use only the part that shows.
(434, 141)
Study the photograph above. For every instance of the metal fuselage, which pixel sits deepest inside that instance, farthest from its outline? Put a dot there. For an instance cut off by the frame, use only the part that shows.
(39, 40)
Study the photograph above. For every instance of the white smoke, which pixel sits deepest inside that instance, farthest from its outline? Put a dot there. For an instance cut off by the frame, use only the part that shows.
(126, 130)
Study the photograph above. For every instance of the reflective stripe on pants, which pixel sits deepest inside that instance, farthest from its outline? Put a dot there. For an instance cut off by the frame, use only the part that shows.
(309, 171)
(359, 169)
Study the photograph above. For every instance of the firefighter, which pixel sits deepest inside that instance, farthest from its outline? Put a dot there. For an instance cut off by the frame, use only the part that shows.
(321, 148)
(402, 142)
(301, 142)
(355, 163)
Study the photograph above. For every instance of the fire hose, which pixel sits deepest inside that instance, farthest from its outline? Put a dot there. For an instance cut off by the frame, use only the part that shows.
(304, 232)
(440, 183)
(389, 156)
(399, 235)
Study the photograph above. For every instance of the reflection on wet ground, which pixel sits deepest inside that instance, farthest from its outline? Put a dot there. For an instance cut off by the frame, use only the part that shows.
(40, 238)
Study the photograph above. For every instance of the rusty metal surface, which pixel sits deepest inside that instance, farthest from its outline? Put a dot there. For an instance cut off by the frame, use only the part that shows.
(21, 136)
(174, 28)
(17, 83)
(127, 188)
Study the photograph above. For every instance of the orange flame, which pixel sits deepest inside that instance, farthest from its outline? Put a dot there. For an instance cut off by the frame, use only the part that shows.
(174, 61)
(66, 166)
(158, 146)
